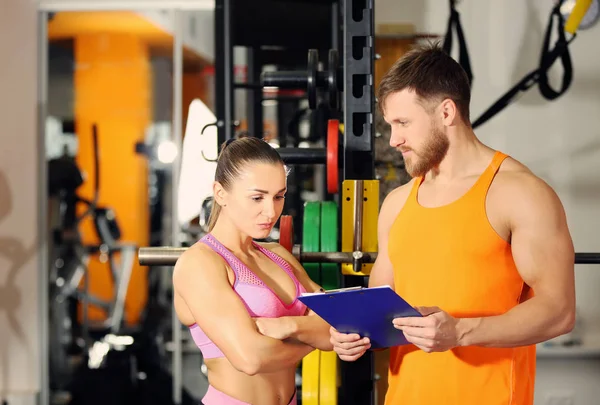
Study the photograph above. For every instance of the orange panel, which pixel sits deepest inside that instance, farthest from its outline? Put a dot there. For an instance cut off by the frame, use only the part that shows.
(113, 88)
(72, 24)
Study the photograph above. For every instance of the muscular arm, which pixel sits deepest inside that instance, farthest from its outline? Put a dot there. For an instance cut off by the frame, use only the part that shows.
(200, 278)
(382, 272)
(310, 329)
(544, 255)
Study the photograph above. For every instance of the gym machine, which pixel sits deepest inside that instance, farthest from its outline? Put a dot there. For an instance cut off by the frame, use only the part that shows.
(69, 337)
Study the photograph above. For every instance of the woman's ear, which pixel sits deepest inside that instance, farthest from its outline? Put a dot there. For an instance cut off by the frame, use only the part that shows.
(219, 193)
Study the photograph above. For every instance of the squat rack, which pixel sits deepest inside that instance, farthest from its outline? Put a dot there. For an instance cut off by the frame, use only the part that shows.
(346, 26)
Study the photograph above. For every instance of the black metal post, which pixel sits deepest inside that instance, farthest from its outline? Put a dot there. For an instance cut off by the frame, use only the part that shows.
(224, 70)
(358, 96)
(254, 110)
(358, 161)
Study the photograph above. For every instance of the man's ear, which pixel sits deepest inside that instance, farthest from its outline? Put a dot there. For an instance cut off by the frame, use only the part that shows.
(449, 112)
(219, 193)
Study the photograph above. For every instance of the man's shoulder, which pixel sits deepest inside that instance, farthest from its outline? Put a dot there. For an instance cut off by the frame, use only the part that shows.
(514, 176)
(395, 199)
(516, 184)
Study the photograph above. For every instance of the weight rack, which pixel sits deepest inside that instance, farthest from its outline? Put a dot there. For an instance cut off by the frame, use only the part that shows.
(344, 32)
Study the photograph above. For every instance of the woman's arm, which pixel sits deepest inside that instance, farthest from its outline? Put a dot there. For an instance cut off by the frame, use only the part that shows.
(200, 279)
(310, 329)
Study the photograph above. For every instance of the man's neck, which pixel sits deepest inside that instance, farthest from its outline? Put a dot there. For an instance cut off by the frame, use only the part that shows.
(465, 156)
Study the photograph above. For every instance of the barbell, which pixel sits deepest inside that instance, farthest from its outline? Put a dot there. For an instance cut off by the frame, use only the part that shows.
(310, 79)
(168, 256)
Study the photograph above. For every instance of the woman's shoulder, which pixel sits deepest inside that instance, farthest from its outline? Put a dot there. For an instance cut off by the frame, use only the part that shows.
(198, 260)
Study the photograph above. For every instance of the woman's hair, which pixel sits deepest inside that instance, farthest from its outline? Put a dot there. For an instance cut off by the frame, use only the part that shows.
(234, 156)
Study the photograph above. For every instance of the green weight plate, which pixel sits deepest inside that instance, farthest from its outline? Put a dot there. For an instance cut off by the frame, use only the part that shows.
(330, 272)
(311, 225)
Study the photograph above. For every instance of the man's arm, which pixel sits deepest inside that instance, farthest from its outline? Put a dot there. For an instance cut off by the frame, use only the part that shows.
(544, 255)
(382, 272)
(200, 279)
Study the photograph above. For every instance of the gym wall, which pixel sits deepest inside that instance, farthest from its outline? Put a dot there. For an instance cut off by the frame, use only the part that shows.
(558, 140)
(20, 361)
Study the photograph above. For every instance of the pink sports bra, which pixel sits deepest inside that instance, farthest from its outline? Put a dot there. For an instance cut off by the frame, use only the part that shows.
(259, 299)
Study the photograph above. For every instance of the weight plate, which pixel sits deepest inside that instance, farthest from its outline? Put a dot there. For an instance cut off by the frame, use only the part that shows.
(286, 232)
(311, 225)
(332, 78)
(311, 367)
(311, 85)
(329, 376)
(333, 128)
(330, 272)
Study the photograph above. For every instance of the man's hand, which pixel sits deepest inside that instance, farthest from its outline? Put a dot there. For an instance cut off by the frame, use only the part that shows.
(436, 331)
(349, 347)
(276, 328)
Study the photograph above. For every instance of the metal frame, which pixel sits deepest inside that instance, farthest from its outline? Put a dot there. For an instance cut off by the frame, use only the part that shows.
(224, 96)
(42, 226)
(357, 378)
(358, 96)
(44, 8)
(175, 230)
(116, 5)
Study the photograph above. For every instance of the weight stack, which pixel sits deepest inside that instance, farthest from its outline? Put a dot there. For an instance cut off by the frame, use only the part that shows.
(389, 164)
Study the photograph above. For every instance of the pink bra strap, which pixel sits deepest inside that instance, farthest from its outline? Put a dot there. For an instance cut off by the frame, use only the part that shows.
(229, 257)
(278, 260)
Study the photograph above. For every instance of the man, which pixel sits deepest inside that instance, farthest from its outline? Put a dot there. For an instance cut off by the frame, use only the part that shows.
(475, 241)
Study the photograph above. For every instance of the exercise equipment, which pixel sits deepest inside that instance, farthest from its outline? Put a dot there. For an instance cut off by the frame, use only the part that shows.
(583, 14)
(167, 256)
(310, 79)
(286, 232)
(311, 237)
(320, 235)
(360, 209)
(463, 52)
(330, 274)
(330, 156)
(539, 76)
(69, 268)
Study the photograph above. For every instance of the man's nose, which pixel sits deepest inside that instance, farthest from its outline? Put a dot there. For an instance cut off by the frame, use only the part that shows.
(396, 139)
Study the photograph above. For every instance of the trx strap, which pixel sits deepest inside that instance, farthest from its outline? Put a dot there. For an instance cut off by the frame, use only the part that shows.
(463, 53)
(540, 75)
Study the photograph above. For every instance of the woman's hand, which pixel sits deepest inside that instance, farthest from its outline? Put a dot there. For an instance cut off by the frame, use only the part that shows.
(276, 328)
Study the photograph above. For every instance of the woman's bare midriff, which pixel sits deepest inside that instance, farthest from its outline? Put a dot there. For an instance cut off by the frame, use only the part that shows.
(269, 388)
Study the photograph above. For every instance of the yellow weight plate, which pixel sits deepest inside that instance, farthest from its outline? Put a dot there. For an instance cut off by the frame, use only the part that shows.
(369, 222)
(328, 392)
(310, 378)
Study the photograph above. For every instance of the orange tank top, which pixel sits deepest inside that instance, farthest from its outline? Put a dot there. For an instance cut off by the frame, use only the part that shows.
(451, 257)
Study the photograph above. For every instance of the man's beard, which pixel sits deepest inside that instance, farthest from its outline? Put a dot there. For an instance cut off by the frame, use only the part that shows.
(429, 155)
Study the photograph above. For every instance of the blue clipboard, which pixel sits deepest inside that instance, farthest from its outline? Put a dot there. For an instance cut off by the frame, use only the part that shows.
(366, 311)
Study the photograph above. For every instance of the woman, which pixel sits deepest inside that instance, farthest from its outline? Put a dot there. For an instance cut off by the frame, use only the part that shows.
(239, 297)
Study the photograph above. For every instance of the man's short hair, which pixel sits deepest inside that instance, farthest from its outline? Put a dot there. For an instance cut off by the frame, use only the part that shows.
(432, 74)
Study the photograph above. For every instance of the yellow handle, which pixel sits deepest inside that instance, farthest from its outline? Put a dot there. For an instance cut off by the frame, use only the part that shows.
(579, 10)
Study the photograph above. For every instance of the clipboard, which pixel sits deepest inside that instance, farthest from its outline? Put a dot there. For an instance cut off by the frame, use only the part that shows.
(366, 311)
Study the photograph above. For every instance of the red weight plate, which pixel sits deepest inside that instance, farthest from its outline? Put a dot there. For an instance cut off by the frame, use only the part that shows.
(286, 232)
(332, 156)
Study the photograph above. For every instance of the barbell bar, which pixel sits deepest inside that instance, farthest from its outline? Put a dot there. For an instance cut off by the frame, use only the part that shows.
(310, 79)
(168, 256)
